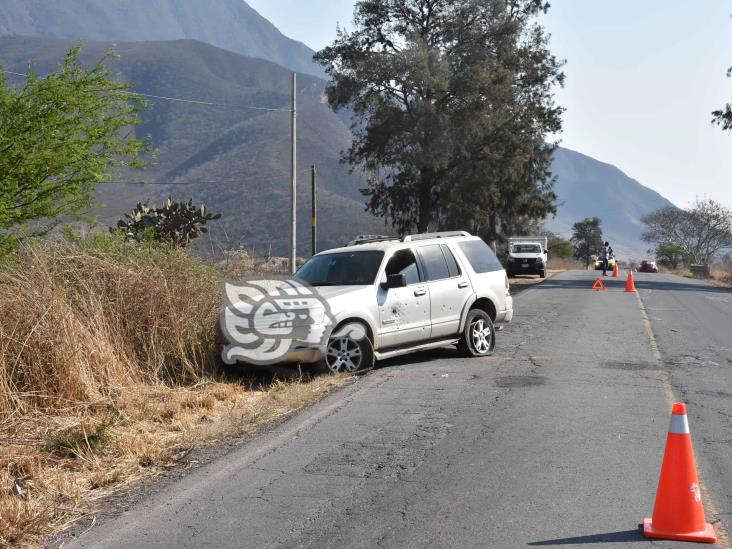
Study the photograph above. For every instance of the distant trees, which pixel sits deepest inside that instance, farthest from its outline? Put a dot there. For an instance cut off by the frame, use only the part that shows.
(59, 136)
(453, 102)
(560, 247)
(174, 223)
(699, 231)
(586, 238)
(671, 255)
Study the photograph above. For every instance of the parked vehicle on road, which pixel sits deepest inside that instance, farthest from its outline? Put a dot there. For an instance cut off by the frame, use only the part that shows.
(648, 266)
(527, 255)
(599, 263)
(407, 294)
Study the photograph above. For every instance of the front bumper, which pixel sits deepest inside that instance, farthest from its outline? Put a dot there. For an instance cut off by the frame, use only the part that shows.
(304, 355)
(531, 268)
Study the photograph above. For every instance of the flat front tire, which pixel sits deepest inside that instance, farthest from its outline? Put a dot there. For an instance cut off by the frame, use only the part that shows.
(479, 336)
(349, 350)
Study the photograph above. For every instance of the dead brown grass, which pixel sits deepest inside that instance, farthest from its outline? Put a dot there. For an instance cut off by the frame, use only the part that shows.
(720, 276)
(109, 374)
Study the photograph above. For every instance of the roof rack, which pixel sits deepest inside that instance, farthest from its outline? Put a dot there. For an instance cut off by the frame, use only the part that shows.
(369, 238)
(426, 236)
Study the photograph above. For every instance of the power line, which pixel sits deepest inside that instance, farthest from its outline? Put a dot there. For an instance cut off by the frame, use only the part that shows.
(197, 102)
(15, 73)
(182, 100)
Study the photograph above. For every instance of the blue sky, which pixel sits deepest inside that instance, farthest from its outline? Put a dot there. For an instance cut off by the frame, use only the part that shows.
(642, 79)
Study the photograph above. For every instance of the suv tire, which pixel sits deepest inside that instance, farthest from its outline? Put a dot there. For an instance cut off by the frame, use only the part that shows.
(346, 354)
(542, 274)
(479, 336)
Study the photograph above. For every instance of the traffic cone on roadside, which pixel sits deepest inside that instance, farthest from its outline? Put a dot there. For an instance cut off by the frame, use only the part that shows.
(630, 284)
(678, 513)
(616, 271)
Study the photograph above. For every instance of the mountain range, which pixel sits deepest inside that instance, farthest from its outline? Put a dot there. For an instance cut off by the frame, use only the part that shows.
(235, 157)
(228, 24)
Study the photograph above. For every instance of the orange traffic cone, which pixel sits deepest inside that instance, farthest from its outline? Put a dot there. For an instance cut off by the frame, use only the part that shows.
(598, 285)
(678, 513)
(616, 271)
(630, 285)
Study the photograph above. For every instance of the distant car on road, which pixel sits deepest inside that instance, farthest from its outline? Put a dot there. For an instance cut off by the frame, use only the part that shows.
(648, 266)
(610, 263)
(527, 255)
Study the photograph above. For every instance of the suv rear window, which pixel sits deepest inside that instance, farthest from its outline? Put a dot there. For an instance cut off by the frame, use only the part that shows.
(480, 256)
(434, 262)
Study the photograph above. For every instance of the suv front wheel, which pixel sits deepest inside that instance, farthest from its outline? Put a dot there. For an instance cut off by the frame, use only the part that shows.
(349, 350)
(479, 337)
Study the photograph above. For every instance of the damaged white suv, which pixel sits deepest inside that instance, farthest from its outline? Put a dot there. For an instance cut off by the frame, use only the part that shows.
(405, 295)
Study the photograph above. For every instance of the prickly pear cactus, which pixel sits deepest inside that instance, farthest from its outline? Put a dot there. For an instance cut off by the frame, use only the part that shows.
(176, 223)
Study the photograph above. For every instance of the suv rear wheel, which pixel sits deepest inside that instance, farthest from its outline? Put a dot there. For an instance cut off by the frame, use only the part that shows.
(479, 337)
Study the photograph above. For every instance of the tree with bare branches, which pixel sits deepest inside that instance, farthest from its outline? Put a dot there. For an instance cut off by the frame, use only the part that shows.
(700, 231)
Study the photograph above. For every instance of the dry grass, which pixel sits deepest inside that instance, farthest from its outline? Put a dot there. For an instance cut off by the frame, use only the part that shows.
(720, 276)
(109, 373)
(557, 264)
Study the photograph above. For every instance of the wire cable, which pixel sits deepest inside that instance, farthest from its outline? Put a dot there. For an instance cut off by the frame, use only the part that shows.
(182, 100)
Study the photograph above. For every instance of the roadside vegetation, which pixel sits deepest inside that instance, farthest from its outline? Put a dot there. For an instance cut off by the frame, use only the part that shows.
(110, 373)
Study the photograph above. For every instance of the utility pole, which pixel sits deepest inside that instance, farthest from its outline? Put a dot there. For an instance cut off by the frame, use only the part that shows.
(293, 188)
(314, 221)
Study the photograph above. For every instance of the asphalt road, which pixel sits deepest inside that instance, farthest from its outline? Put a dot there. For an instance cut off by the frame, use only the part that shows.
(555, 440)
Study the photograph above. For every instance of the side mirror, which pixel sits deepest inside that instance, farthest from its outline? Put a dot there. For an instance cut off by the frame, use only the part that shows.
(395, 281)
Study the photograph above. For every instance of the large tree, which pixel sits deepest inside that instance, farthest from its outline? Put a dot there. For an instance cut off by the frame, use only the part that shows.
(60, 135)
(699, 231)
(452, 103)
(723, 116)
(586, 238)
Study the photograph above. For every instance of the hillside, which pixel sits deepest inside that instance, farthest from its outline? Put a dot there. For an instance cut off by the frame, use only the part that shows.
(587, 187)
(234, 159)
(229, 24)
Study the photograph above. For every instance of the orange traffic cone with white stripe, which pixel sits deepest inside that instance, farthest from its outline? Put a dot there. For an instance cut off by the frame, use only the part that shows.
(678, 513)
(616, 271)
(630, 284)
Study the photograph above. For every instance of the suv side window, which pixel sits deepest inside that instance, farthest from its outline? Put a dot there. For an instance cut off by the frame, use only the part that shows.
(452, 265)
(433, 260)
(480, 256)
(404, 262)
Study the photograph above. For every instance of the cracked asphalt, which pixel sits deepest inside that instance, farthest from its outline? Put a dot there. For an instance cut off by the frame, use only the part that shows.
(557, 439)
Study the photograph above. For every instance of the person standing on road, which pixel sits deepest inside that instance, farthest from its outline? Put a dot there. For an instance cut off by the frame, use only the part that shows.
(606, 251)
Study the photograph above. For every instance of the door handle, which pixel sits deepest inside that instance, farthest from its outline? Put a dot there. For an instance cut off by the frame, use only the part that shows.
(462, 284)
(420, 292)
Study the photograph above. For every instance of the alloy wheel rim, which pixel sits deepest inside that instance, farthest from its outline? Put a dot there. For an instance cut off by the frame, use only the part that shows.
(343, 355)
(481, 335)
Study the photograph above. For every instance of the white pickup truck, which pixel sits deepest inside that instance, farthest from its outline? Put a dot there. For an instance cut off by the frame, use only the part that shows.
(527, 255)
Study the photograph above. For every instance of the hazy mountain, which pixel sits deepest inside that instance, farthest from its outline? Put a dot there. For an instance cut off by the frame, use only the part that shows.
(228, 24)
(236, 160)
(587, 187)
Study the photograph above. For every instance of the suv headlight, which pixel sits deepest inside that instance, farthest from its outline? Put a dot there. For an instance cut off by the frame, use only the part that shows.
(511, 259)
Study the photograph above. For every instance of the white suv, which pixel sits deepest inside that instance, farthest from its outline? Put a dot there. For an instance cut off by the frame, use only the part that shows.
(406, 294)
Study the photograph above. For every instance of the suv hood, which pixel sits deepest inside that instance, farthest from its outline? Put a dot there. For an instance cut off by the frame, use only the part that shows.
(331, 292)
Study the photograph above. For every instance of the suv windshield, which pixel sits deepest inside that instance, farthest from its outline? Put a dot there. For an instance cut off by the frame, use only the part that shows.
(526, 249)
(341, 269)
